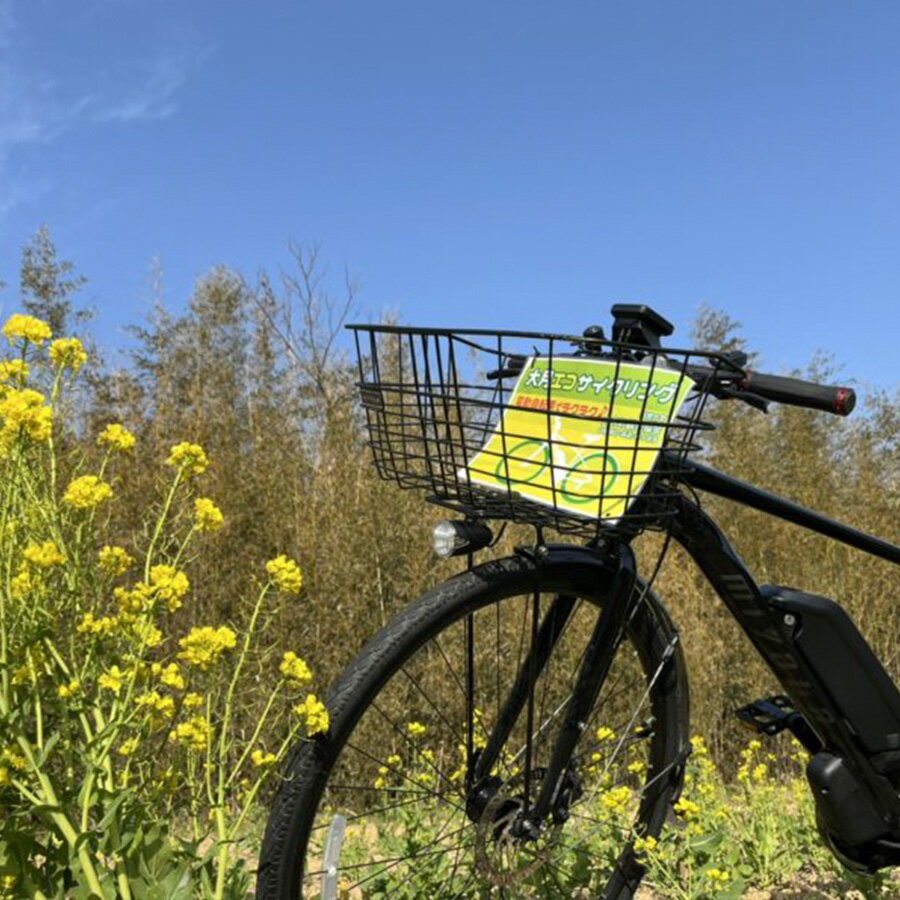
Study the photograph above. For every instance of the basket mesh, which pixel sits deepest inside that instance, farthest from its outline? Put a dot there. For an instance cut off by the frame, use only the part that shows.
(549, 430)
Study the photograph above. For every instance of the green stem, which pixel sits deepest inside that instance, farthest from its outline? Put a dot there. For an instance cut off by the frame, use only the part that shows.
(195, 813)
(160, 522)
(7, 574)
(38, 707)
(54, 394)
(184, 546)
(235, 676)
(67, 672)
(251, 796)
(255, 736)
(222, 856)
(59, 818)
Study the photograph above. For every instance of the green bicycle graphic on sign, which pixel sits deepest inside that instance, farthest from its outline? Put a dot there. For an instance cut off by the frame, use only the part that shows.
(578, 484)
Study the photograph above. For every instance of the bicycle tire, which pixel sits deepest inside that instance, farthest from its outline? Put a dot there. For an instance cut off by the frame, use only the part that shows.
(309, 764)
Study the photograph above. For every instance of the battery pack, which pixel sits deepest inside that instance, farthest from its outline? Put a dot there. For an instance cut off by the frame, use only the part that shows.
(843, 662)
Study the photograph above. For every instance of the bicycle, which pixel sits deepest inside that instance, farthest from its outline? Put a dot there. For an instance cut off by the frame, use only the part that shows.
(516, 730)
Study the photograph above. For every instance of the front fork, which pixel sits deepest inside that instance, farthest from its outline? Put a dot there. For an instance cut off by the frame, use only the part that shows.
(595, 665)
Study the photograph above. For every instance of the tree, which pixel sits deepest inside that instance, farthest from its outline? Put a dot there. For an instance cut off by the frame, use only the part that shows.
(47, 283)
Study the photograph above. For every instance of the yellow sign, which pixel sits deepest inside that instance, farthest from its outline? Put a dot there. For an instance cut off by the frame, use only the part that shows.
(581, 435)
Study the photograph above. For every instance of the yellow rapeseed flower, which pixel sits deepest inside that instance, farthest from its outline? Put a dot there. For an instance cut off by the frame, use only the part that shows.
(169, 675)
(68, 352)
(20, 327)
(687, 809)
(86, 492)
(285, 573)
(15, 370)
(117, 437)
(12, 757)
(261, 759)
(616, 799)
(195, 734)
(170, 585)
(718, 876)
(202, 647)
(23, 583)
(70, 689)
(314, 714)
(645, 846)
(159, 706)
(192, 700)
(207, 516)
(44, 556)
(190, 458)
(112, 679)
(23, 412)
(148, 634)
(128, 747)
(294, 668)
(114, 560)
(134, 600)
(605, 734)
(415, 729)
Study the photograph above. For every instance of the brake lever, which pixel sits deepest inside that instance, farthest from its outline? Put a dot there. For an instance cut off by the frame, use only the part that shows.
(751, 399)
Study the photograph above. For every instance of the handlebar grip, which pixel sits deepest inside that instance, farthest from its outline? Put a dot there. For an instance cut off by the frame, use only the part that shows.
(796, 392)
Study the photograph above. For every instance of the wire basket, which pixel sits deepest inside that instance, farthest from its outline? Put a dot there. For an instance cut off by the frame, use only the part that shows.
(550, 430)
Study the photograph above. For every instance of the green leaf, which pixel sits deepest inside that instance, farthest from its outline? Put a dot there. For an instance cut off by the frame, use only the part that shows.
(49, 744)
(112, 810)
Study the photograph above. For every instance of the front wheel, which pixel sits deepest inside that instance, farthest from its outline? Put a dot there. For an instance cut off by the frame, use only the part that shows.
(386, 805)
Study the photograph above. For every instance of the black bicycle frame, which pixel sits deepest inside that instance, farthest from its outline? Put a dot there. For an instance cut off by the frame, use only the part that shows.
(765, 626)
(768, 628)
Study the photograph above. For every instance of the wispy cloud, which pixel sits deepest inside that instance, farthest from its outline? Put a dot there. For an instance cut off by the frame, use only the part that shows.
(153, 94)
(38, 105)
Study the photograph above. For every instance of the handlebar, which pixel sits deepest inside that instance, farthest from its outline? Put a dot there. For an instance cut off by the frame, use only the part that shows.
(737, 382)
(797, 392)
(644, 326)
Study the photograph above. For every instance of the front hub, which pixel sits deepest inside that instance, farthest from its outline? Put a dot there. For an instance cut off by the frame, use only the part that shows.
(509, 848)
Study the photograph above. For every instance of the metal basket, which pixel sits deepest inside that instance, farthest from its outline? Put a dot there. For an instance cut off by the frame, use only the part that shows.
(545, 429)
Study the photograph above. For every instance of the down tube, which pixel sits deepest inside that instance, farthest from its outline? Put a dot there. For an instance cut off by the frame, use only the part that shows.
(709, 548)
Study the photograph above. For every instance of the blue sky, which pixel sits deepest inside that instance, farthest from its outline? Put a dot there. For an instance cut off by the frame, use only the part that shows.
(514, 164)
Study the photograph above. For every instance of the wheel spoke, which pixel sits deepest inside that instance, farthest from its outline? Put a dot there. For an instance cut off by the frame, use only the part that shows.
(418, 855)
(405, 777)
(529, 721)
(411, 743)
(434, 707)
(425, 851)
(372, 812)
